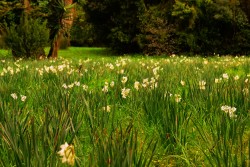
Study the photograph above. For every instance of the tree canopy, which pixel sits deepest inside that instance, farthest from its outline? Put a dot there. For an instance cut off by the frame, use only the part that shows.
(176, 26)
(143, 26)
(58, 15)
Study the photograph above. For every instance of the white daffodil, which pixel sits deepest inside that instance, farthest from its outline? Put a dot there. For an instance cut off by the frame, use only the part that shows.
(67, 153)
(14, 96)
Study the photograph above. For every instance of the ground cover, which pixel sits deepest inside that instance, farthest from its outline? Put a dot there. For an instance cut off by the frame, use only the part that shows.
(124, 111)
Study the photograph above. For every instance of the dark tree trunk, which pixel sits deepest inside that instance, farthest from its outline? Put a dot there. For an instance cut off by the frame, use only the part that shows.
(53, 52)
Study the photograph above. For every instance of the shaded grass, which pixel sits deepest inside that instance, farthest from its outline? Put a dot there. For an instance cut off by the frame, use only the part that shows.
(72, 52)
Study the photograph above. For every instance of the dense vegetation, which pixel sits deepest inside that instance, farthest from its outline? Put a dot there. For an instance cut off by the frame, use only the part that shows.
(140, 26)
(198, 26)
(124, 111)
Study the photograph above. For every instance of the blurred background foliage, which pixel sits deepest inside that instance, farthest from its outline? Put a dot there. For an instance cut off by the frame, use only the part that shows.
(205, 27)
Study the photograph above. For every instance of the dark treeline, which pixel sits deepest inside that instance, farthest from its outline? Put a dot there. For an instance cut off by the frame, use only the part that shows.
(171, 26)
(151, 27)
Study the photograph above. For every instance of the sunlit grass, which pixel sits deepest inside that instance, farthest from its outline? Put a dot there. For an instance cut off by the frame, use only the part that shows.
(124, 111)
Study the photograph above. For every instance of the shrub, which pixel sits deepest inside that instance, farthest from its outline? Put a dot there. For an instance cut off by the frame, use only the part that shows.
(64, 43)
(28, 39)
(157, 36)
(208, 27)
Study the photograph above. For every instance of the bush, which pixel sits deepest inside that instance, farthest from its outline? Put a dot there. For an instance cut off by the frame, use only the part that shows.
(64, 43)
(208, 27)
(157, 36)
(82, 33)
(28, 39)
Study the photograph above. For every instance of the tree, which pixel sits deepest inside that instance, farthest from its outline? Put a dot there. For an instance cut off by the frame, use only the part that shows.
(58, 13)
(60, 22)
(116, 22)
(212, 26)
(245, 6)
(18, 38)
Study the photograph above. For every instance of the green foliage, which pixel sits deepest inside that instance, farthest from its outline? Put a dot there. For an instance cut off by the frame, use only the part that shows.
(157, 36)
(82, 32)
(116, 23)
(208, 27)
(199, 26)
(28, 39)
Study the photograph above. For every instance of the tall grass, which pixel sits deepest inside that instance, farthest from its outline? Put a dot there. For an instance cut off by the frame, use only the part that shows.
(125, 111)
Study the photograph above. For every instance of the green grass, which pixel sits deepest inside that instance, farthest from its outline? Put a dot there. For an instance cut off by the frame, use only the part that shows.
(80, 52)
(169, 119)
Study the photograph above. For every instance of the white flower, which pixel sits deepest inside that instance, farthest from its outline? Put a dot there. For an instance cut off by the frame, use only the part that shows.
(229, 110)
(17, 70)
(40, 72)
(145, 82)
(153, 84)
(71, 85)
(205, 61)
(61, 67)
(14, 96)
(46, 69)
(121, 71)
(225, 76)
(156, 85)
(245, 91)
(152, 81)
(23, 98)
(77, 83)
(85, 87)
(125, 92)
(173, 55)
(64, 86)
(202, 85)
(124, 80)
(67, 153)
(111, 66)
(236, 77)
(136, 85)
(107, 108)
(177, 98)
(112, 84)
(105, 89)
(216, 80)
(53, 69)
(182, 82)
(123, 62)
(155, 70)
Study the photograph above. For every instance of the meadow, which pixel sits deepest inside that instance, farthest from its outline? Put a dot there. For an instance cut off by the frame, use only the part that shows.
(88, 108)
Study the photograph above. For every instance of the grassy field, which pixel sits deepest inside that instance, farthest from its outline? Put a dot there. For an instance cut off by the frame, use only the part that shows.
(124, 110)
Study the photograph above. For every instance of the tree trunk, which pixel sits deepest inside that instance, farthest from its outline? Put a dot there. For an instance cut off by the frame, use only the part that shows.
(53, 52)
(26, 6)
(66, 22)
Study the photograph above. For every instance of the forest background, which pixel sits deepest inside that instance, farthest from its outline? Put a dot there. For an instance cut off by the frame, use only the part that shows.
(204, 27)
